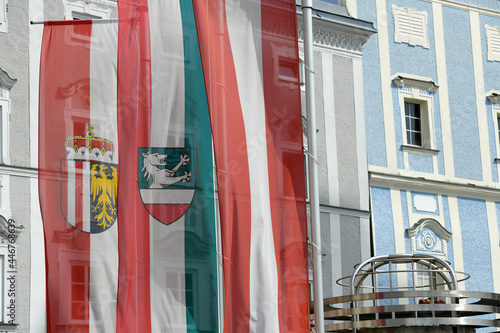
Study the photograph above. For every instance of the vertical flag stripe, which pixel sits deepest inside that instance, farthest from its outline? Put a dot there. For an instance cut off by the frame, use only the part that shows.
(67, 250)
(71, 193)
(244, 28)
(201, 293)
(232, 170)
(85, 172)
(134, 110)
(103, 279)
(285, 156)
(167, 130)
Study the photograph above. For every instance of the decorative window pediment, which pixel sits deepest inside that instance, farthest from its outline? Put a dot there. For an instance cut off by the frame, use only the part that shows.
(428, 235)
(410, 26)
(402, 80)
(493, 96)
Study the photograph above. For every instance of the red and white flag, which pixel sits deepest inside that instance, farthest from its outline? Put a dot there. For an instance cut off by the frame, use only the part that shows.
(78, 165)
(250, 59)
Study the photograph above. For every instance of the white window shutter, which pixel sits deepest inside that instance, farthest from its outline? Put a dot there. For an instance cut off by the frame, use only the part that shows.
(493, 37)
(410, 26)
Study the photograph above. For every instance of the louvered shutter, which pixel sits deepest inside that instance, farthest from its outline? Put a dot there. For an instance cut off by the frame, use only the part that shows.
(493, 35)
(410, 26)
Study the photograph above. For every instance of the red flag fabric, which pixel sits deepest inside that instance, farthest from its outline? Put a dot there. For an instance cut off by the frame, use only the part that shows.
(250, 59)
(78, 165)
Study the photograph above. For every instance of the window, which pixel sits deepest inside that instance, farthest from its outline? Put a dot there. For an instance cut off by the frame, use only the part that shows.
(81, 10)
(494, 98)
(498, 127)
(6, 83)
(81, 302)
(415, 100)
(182, 288)
(410, 26)
(493, 38)
(430, 237)
(4, 9)
(418, 124)
(413, 119)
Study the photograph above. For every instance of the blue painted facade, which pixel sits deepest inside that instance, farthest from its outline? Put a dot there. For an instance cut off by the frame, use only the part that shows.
(455, 179)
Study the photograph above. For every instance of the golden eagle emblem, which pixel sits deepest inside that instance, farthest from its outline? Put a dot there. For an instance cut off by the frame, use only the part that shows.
(104, 181)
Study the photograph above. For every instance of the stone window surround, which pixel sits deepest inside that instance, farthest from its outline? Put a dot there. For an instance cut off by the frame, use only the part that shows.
(84, 10)
(4, 24)
(417, 89)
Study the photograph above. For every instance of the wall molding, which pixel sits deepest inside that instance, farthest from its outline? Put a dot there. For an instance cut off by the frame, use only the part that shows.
(427, 185)
(463, 6)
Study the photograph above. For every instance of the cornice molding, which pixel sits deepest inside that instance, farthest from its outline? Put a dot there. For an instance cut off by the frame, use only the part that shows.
(9, 170)
(334, 40)
(434, 186)
(463, 6)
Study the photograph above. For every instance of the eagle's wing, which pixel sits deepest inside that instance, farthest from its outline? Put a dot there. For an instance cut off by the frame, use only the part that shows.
(112, 184)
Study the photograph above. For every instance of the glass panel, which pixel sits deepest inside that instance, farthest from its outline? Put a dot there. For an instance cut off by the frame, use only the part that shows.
(418, 139)
(416, 110)
(498, 127)
(77, 274)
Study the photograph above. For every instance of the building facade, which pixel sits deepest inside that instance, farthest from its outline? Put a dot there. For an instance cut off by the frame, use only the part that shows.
(341, 147)
(432, 131)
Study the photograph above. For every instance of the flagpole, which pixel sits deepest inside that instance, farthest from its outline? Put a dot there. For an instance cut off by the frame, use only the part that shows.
(319, 322)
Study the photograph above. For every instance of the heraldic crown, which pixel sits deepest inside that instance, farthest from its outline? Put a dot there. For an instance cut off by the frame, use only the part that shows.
(89, 147)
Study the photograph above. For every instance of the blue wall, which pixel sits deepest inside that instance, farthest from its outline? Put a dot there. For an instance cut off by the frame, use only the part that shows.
(447, 225)
(406, 220)
(475, 244)
(462, 94)
(374, 113)
(383, 221)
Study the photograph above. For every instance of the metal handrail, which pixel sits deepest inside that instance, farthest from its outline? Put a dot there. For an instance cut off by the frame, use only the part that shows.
(452, 312)
(398, 259)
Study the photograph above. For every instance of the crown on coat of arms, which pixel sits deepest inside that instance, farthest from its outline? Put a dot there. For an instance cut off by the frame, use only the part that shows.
(89, 141)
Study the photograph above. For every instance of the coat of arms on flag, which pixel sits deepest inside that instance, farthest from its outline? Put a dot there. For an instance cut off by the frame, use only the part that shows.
(89, 183)
(167, 181)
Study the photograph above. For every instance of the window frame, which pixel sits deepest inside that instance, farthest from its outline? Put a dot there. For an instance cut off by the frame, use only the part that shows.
(81, 10)
(6, 84)
(5, 105)
(413, 14)
(495, 113)
(419, 90)
(412, 132)
(415, 96)
(4, 24)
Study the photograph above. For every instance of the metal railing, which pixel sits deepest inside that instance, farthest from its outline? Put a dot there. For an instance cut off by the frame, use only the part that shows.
(408, 290)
